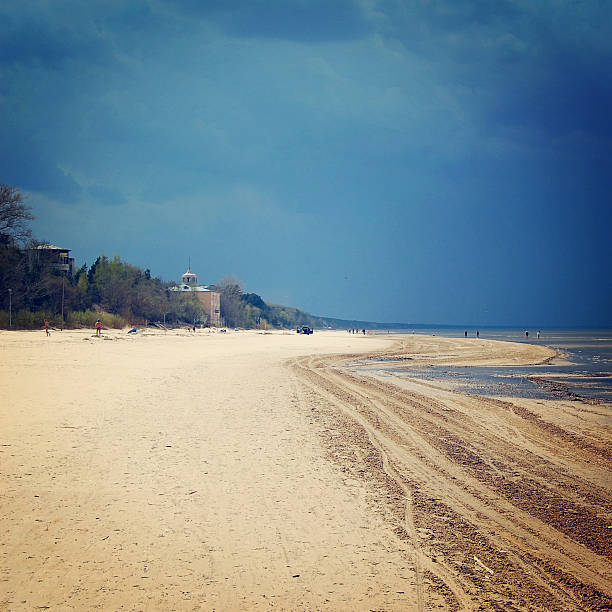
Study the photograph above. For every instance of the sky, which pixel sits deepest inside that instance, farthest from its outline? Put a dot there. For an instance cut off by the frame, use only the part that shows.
(412, 161)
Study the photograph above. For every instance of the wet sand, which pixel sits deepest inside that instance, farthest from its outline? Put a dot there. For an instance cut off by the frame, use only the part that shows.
(247, 471)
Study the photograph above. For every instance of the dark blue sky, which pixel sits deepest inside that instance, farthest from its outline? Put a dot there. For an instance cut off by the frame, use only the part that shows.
(399, 161)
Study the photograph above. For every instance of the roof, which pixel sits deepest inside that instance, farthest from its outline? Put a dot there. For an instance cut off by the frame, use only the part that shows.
(189, 273)
(51, 247)
(191, 288)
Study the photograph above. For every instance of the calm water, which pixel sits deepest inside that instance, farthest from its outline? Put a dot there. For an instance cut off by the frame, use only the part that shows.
(588, 375)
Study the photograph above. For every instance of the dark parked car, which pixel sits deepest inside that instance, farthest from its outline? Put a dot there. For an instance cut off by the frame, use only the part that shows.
(304, 330)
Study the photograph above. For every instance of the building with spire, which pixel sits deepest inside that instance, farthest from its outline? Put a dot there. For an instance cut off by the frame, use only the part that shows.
(210, 300)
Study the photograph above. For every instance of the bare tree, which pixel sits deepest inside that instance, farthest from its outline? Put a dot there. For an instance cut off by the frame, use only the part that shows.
(232, 306)
(14, 215)
(231, 282)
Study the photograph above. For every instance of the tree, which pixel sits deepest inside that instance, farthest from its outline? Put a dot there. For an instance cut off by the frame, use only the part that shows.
(121, 288)
(254, 300)
(14, 215)
(232, 305)
(188, 308)
(12, 276)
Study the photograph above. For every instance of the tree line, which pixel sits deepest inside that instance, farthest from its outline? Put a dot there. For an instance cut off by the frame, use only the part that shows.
(111, 289)
(249, 311)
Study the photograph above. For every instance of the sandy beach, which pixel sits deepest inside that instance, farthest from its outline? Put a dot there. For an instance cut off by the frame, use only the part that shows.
(251, 471)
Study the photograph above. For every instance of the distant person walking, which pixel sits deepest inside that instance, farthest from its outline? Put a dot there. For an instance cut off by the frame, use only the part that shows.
(526, 334)
(98, 327)
(46, 326)
(477, 334)
(538, 334)
(465, 333)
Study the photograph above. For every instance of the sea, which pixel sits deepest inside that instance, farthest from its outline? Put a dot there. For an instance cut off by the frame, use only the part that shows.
(583, 369)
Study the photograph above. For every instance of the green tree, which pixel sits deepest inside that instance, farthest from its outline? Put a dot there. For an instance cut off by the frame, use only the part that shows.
(79, 298)
(121, 288)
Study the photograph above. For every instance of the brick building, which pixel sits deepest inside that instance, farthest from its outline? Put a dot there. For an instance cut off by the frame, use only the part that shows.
(210, 300)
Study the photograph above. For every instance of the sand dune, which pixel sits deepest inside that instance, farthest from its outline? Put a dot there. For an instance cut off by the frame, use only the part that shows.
(246, 471)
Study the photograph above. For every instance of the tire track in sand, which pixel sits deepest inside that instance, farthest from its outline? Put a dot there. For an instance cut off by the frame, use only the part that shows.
(534, 550)
(421, 560)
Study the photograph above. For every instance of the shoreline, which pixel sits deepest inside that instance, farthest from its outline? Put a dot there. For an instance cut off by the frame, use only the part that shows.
(566, 373)
(251, 470)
